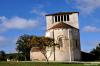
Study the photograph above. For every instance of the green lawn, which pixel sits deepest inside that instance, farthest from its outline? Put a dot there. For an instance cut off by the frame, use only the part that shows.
(42, 64)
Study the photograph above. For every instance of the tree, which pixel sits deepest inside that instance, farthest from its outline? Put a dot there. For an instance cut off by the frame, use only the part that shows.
(2, 56)
(19, 57)
(15, 56)
(23, 45)
(96, 52)
(26, 42)
(42, 43)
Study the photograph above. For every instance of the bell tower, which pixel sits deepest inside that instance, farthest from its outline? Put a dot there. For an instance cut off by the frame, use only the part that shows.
(64, 29)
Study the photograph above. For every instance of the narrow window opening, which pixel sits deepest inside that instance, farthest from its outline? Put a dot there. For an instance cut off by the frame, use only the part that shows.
(64, 17)
(58, 18)
(76, 44)
(55, 18)
(67, 17)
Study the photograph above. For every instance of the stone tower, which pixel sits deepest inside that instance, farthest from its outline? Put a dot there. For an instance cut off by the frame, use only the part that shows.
(64, 29)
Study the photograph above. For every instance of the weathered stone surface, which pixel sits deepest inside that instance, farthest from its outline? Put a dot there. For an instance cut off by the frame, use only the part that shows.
(68, 38)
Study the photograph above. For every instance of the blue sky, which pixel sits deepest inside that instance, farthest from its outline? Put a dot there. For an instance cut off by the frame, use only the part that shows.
(18, 17)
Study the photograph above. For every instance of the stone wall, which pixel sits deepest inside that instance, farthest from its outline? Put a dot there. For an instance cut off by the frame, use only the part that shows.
(69, 51)
(37, 56)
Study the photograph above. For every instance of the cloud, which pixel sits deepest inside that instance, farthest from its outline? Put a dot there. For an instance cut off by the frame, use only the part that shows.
(87, 6)
(91, 29)
(2, 17)
(17, 23)
(38, 12)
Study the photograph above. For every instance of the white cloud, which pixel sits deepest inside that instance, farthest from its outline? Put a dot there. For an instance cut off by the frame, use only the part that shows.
(2, 17)
(17, 23)
(91, 29)
(38, 12)
(88, 6)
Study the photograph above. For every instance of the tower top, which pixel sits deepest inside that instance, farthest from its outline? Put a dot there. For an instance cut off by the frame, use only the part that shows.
(70, 18)
(61, 13)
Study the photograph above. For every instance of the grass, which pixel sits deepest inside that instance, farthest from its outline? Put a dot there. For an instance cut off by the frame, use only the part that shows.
(43, 64)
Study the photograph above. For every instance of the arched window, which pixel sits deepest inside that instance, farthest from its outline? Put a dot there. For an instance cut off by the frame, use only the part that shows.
(60, 42)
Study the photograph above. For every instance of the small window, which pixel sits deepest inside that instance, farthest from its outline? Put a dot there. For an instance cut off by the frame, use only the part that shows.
(55, 18)
(64, 17)
(67, 17)
(76, 43)
(61, 18)
(58, 18)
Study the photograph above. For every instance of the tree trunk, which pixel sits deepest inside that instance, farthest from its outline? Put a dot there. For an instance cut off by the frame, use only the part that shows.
(45, 56)
(54, 51)
(25, 57)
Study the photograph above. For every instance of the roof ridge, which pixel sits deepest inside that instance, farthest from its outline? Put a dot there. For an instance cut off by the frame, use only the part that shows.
(59, 13)
(61, 25)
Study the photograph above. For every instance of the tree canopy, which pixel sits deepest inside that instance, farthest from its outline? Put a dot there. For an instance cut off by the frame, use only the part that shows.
(23, 45)
(26, 42)
(96, 52)
(2, 56)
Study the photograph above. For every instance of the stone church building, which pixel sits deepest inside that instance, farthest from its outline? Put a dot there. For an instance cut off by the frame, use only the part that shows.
(63, 27)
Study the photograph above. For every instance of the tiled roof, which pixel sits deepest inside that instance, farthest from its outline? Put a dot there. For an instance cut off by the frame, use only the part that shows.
(35, 49)
(61, 25)
(61, 13)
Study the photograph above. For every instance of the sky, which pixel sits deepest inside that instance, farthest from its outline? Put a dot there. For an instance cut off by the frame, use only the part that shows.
(19, 17)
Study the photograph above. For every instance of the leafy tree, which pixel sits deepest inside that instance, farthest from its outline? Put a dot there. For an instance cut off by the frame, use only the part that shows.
(19, 57)
(26, 42)
(15, 56)
(2, 56)
(42, 43)
(23, 45)
(96, 52)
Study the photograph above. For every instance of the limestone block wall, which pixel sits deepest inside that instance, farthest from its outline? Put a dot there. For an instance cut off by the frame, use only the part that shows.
(62, 53)
(75, 51)
(69, 51)
(73, 20)
(75, 44)
(49, 33)
(37, 56)
(49, 21)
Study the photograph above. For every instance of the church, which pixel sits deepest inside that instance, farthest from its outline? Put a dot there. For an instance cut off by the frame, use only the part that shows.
(63, 27)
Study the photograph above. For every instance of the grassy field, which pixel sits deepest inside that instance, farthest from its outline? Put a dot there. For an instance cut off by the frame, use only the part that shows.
(43, 64)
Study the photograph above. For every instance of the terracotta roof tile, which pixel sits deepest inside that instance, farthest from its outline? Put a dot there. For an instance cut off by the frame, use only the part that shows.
(61, 25)
(35, 49)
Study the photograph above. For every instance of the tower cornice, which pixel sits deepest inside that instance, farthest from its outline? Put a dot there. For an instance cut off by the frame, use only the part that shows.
(61, 13)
